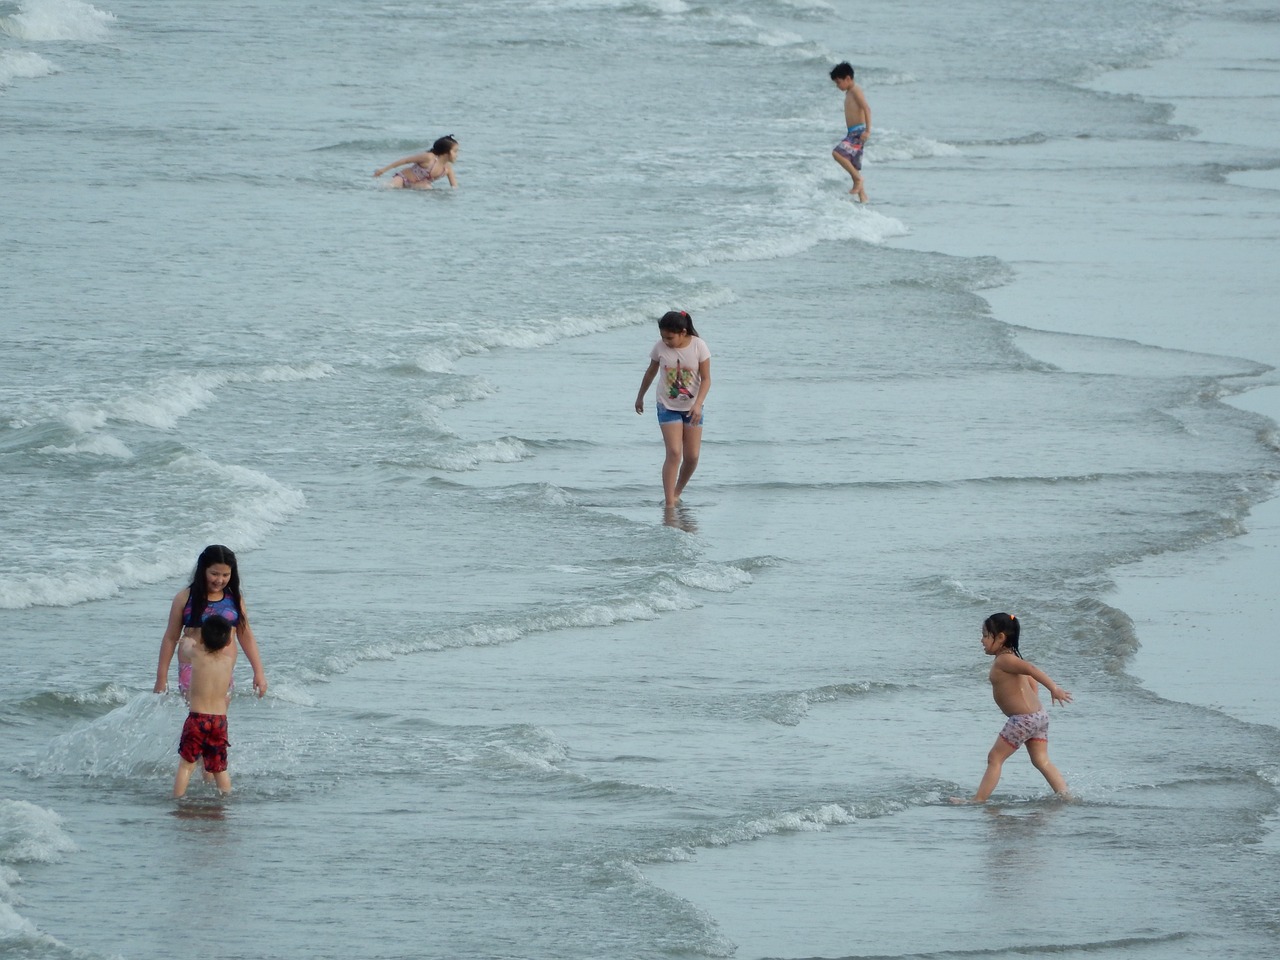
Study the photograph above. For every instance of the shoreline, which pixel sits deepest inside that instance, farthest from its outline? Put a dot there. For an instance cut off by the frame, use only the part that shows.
(1160, 274)
(1205, 617)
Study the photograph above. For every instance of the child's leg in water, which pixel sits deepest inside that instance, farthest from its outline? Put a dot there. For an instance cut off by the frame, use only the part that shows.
(999, 753)
(1038, 751)
(673, 440)
(858, 189)
(692, 445)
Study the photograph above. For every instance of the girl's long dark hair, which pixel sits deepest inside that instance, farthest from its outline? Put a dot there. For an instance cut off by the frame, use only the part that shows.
(214, 553)
(1007, 624)
(677, 321)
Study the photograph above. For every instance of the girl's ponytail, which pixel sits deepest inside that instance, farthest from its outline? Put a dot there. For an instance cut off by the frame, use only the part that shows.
(677, 321)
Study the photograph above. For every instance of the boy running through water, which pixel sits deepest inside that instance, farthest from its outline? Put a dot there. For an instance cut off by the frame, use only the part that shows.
(857, 120)
(204, 734)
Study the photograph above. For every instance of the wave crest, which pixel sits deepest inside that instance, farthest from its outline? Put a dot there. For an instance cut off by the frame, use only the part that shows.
(45, 20)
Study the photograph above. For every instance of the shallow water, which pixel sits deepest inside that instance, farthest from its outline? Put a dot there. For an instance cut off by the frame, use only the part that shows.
(514, 713)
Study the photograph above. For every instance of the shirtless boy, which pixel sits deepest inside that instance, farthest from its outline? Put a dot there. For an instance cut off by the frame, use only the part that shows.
(204, 734)
(857, 118)
(1014, 686)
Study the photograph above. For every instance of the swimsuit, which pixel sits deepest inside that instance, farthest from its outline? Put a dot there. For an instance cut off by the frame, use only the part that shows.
(226, 608)
(416, 174)
(204, 736)
(1021, 727)
(851, 146)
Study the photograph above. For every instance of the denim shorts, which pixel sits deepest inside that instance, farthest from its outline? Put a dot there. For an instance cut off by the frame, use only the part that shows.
(673, 416)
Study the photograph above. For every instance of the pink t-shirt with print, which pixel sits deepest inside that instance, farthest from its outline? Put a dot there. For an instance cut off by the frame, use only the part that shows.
(678, 382)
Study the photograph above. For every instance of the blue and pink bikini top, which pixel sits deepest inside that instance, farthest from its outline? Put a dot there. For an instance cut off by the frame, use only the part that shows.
(225, 608)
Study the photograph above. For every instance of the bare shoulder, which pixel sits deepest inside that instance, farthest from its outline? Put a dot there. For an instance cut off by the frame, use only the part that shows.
(181, 598)
(1010, 663)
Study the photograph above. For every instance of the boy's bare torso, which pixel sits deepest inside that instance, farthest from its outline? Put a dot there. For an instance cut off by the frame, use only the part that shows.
(210, 678)
(854, 113)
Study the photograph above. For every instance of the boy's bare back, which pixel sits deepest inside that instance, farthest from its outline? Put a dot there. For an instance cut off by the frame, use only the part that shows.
(210, 678)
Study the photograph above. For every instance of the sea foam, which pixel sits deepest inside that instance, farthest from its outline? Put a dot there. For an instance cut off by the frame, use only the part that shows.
(44, 20)
(22, 65)
(31, 834)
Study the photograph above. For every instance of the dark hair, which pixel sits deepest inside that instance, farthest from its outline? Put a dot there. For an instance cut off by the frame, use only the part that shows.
(199, 598)
(677, 321)
(1007, 624)
(215, 634)
(841, 70)
(442, 146)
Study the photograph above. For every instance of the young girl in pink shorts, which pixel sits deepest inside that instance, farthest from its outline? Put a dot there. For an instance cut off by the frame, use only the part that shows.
(1014, 686)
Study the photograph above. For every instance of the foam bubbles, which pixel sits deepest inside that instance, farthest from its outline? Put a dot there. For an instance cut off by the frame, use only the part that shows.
(103, 445)
(718, 578)
(889, 145)
(22, 65)
(31, 834)
(45, 20)
(470, 456)
(135, 739)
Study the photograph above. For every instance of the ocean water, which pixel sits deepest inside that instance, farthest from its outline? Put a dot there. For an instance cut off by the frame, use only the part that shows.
(515, 709)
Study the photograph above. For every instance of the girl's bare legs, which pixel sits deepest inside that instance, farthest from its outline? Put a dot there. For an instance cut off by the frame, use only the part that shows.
(684, 443)
(1038, 751)
(995, 763)
(689, 463)
(673, 440)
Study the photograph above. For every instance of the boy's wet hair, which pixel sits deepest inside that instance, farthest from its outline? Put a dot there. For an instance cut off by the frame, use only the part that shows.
(442, 146)
(215, 633)
(677, 321)
(841, 70)
(1007, 624)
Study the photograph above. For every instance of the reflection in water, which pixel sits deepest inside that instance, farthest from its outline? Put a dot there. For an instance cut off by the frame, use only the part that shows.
(209, 810)
(679, 517)
(1014, 850)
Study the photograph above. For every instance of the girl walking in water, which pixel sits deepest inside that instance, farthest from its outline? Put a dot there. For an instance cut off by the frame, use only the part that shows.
(1014, 686)
(684, 361)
